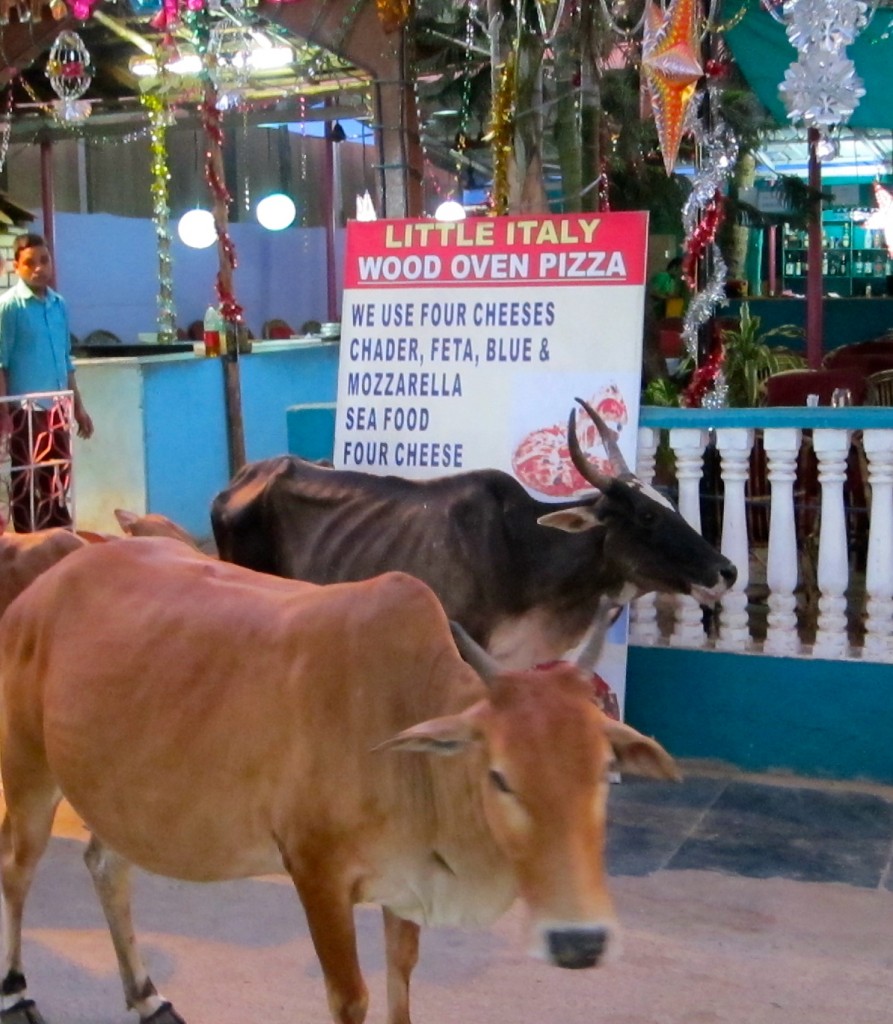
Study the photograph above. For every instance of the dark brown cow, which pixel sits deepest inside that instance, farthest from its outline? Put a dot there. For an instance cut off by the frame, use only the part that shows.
(477, 539)
(208, 722)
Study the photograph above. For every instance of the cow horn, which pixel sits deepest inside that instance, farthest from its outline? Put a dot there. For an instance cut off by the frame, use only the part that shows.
(475, 655)
(609, 440)
(606, 615)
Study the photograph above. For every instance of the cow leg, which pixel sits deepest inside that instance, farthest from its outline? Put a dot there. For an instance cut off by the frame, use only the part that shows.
(402, 952)
(111, 878)
(330, 919)
(24, 835)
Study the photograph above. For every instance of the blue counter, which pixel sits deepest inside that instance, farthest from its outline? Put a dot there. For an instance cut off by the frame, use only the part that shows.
(161, 444)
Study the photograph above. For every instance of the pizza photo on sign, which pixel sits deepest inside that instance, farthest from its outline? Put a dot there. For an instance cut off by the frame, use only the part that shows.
(542, 461)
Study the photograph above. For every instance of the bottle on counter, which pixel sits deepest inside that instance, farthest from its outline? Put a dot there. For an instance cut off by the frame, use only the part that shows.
(213, 331)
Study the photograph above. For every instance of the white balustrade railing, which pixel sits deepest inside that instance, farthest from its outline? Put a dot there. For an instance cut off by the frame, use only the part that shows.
(819, 582)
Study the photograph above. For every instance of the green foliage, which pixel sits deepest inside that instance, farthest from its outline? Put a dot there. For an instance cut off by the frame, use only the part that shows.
(661, 391)
(749, 359)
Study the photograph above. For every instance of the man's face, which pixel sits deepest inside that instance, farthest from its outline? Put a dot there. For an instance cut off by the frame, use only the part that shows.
(35, 267)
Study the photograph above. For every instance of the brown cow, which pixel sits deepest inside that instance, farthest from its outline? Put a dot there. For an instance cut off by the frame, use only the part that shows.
(208, 722)
(152, 524)
(24, 556)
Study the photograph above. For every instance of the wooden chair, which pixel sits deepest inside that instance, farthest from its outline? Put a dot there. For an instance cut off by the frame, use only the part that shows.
(101, 337)
(880, 388)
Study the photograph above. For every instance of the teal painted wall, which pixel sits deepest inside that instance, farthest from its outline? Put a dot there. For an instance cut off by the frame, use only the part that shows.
(810, 717)
(845, 320)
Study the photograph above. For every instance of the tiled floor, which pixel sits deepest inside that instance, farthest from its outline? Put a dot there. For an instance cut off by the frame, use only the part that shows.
(746, 826)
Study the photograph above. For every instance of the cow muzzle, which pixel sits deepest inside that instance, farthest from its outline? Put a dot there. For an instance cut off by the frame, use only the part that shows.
(577, 947)
(725, 581)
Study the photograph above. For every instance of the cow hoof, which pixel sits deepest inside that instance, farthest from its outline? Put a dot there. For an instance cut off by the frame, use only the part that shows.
(165, 1014)
(24, 1012)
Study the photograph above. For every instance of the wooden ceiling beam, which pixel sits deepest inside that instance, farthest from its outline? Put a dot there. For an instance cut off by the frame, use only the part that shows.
(361, 39)
(24, 43)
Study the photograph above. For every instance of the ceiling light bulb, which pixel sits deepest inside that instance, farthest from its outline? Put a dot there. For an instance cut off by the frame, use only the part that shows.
(276, 212)
(143, 66)
(196, 229)
(185, 64)
(268, 58)
(450, 210)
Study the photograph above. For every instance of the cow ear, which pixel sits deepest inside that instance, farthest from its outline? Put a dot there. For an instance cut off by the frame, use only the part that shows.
(638, 754)
(126, 520)
(571, 520)
(445, 736)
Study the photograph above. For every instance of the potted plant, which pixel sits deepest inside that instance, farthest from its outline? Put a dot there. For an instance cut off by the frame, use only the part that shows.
(748, 358)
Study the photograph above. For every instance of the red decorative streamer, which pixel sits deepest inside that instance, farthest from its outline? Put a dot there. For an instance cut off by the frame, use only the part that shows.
(701, 237)
(229, 308)
(702, 379)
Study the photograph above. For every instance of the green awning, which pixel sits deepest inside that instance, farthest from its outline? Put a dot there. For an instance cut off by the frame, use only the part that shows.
(762, 52)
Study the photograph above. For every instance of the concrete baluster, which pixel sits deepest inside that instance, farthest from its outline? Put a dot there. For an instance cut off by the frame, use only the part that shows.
(688, 445)
(643, 611)
(734, 444)
(878, 643)
(782, 445)
(831, 448)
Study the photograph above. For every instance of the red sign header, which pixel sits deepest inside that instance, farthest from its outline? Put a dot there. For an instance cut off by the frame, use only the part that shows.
(553, 249)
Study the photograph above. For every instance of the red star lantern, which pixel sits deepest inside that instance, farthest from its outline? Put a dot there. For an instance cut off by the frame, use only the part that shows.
(671, 70)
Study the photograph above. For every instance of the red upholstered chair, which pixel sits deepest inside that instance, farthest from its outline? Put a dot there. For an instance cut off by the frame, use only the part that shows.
(277, 329)
(670, 337)
(870, 356)
(790, 387)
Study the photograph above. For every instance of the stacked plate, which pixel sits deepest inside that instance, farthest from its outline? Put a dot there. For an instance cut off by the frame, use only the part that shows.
(330, 331)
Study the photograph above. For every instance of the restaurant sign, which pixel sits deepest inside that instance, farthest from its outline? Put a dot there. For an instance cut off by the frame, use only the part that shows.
(464, 345)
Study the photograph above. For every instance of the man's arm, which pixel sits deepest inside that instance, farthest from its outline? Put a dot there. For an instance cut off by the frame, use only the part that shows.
(5, 411)
(81, 416)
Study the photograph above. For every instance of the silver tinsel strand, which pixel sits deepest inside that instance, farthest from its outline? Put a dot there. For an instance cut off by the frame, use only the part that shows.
(719, 151)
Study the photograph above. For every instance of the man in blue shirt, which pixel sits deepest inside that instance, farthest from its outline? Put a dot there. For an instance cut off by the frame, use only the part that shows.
(35, 356)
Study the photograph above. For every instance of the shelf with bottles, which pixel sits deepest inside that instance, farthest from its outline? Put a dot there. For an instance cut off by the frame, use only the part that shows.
(854, 258)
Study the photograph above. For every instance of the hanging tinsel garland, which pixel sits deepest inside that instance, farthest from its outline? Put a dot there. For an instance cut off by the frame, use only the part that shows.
(231, 310)
(159, 122)
(701, 218)
(6, 128)
(501, 134)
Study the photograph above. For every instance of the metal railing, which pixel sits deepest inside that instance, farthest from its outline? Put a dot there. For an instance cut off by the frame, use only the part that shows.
(36, 481)
(801, 500)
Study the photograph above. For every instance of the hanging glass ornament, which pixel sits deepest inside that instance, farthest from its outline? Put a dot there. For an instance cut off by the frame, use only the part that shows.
(831, 24)
(228, 57)
(821, 88)
(70, 71)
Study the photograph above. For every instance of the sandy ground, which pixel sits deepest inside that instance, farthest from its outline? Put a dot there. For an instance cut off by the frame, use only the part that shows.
(698, 948)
